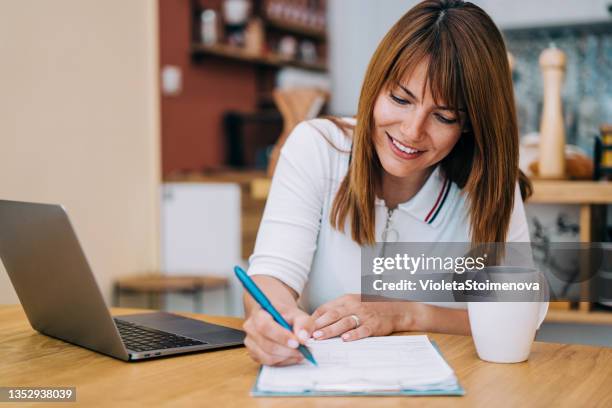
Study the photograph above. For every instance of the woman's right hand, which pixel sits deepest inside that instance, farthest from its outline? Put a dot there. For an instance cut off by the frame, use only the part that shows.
(269, 343)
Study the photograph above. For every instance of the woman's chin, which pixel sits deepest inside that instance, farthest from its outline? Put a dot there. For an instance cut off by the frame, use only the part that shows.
(401, 171)
(405, 170)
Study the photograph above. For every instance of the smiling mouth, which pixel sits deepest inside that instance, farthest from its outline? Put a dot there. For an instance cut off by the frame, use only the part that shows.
(403, 147)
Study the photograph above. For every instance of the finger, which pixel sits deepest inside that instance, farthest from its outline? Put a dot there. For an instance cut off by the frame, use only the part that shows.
(291, 361)
(341, 326)
(252, 348)
(259, 355)
(360, 332)
(331, 305)
(264, 325)
(319, 312)
(255, 352)
(303, 326)
(276, 349)
(329, 317)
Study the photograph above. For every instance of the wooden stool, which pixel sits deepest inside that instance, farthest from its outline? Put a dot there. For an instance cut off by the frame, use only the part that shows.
(156, 285)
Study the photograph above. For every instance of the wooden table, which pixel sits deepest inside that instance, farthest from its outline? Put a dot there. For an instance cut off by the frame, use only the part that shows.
(555, 375)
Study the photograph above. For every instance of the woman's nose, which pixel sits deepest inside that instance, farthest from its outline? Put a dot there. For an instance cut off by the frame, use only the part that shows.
(413, 126)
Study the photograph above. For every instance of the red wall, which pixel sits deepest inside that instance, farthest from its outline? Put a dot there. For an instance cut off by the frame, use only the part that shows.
(191, 123)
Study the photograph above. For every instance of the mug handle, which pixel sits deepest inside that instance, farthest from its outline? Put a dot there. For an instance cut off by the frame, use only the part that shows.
(544, 304)
(543, 312)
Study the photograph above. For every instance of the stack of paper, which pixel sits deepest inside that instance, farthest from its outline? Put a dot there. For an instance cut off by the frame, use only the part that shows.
(392, 364)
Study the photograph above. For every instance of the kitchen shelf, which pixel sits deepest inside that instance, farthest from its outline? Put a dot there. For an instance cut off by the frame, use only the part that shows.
(295, 28)
(544, 191)
(238, 54)
(571, 192)
(592, 197)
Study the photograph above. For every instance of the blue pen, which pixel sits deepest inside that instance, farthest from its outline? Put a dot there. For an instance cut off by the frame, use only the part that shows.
(265, 303)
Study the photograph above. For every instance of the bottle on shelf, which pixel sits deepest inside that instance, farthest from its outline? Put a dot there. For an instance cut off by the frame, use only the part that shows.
(552, 130)
(209, 29)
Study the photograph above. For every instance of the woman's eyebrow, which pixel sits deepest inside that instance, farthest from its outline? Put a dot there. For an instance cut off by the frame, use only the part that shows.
(410, 94)
(446, 108)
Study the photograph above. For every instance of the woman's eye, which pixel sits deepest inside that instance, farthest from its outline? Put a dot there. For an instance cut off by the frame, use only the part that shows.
(444, 120)
(399, 100)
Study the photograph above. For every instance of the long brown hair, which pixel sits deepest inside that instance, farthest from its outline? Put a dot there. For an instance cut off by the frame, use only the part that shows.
(468, 69)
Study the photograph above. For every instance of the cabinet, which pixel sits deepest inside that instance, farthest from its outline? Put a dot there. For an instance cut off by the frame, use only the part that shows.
(190, 197)
(201, 234)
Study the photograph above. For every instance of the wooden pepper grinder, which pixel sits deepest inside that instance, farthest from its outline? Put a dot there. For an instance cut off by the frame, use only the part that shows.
(552, 131)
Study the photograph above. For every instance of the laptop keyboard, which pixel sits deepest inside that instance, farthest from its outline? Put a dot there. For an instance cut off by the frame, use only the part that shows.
(140, 338)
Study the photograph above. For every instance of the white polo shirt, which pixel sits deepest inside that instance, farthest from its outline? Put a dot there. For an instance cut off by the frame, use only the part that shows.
(296, 242)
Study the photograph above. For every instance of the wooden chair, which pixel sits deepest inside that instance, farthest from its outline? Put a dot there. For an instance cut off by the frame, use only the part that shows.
(157, 287)
(295, 105)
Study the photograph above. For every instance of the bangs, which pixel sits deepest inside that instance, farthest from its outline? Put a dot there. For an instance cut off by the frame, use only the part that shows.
(443, 69)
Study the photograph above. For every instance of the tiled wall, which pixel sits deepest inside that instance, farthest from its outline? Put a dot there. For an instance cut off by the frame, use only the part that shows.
(587, 90)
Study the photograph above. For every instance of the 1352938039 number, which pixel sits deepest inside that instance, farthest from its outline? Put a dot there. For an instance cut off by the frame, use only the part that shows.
(31, 394)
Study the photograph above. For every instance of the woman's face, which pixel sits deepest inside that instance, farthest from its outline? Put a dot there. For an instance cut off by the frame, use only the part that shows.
(411, 132)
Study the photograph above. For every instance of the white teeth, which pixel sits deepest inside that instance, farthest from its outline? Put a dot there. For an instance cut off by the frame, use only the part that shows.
(403, 148)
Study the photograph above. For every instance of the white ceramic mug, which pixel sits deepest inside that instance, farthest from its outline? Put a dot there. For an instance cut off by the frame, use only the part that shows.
(504, 331)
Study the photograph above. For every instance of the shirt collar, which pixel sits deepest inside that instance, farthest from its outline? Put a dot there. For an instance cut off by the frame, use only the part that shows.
(428, 204)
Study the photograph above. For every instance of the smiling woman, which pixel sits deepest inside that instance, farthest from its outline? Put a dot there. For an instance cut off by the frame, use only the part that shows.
(404, 125)
(432, 156)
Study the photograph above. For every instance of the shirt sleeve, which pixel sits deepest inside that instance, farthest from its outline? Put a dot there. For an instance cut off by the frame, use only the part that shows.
(287, 236)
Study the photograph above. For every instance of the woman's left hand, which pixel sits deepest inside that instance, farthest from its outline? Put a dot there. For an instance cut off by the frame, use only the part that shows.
(352, 319)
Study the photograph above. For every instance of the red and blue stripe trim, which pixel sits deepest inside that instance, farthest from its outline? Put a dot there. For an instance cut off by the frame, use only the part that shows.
(433, 213)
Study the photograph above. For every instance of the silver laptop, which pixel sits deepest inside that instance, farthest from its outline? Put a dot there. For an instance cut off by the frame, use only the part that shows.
(61, 298)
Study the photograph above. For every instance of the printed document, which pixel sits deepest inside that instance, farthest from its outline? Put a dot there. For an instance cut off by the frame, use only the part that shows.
(372, 364)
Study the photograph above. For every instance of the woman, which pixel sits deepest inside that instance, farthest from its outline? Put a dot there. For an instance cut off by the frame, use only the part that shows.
(431, 156)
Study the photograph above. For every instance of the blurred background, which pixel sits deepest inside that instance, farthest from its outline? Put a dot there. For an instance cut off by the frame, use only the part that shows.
(156, 123)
